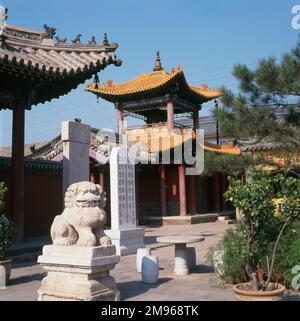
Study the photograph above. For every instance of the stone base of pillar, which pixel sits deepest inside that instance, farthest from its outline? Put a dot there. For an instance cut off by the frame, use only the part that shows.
(127, 241)
(78, 273)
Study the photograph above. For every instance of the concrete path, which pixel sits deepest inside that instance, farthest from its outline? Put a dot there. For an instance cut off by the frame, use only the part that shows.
(27, 276)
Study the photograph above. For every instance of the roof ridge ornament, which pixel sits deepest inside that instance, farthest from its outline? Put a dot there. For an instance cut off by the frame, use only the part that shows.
(204, 87)
(92, 41)
(61, 40)
(105, 40)
(158, 66)
(76, 39)
(49, 32)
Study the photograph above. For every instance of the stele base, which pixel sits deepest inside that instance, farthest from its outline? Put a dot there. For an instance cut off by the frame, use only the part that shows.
(78, 273)
(127, 241)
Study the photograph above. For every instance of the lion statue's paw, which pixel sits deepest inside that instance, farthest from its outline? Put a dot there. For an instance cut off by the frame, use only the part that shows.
(62, 242)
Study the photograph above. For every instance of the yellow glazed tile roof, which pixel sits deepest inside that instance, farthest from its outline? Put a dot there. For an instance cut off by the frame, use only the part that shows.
(159, 139)
(146, 83)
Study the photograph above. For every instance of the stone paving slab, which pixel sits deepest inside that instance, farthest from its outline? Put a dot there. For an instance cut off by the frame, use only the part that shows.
(26, 277)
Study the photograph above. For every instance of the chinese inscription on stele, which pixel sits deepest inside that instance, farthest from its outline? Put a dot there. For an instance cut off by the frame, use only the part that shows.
(123, 202)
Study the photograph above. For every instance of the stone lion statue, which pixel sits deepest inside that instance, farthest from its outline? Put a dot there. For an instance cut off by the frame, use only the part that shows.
(82, 221)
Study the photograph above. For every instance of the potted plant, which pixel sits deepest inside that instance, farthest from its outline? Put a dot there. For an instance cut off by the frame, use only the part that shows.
(266, 221)
(7, 233)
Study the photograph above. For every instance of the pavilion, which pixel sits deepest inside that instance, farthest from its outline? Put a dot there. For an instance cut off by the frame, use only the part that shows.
(160, 99)
(34, 69)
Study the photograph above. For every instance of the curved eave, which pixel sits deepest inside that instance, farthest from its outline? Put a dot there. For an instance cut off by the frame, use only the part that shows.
(207, 94)
(136, 90)
(64, 79)
(222, 149)
(140, 87)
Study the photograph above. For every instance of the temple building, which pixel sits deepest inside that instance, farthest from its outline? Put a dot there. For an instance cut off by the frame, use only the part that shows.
(36, 67)
(160, 99)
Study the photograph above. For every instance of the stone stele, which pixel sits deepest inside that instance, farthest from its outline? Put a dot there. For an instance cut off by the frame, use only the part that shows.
(81, 257)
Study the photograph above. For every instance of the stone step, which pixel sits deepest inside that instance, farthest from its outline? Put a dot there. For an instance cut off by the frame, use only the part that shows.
(29, 249)
(179, 220)
(223, 218)
(229, 222)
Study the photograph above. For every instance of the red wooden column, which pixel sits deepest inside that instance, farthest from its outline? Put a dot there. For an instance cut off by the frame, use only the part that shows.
(196, 119)
(170, 114)
(182, 191)
(17, 171)
(217, 192)
(163, 194)
(101, 177)
(120, 111)
(204, 192)
(192, 195)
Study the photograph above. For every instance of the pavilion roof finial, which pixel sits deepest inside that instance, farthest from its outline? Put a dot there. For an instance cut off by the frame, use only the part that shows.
(158, 66)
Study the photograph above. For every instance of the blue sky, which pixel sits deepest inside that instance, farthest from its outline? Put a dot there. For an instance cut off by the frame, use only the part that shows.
(205, 37)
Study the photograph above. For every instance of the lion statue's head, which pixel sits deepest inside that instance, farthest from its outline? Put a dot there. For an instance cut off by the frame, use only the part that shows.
(85, 194)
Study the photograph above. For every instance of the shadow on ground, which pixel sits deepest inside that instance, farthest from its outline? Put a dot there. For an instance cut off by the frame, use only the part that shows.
(27, 279)
(24, 262)
(135, 288)
(149, 240)
(291, 297)
(203, 269)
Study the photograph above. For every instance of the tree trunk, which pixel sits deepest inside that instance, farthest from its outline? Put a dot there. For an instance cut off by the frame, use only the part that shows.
(286, 223)
(249, 268)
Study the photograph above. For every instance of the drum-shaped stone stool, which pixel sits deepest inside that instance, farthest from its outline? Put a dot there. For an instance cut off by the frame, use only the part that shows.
(150, 269)
(139, 257)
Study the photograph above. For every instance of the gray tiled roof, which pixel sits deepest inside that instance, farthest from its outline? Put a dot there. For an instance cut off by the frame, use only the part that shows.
(264, 144)
(28, 48)
(51, 68)
(40, 165)
(6, 151)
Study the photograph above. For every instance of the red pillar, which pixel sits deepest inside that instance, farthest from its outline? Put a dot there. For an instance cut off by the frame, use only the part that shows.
(163, 194)
(17, 171)
(120, 117)
(192, 195)
(204, 192)
(182, 191)
(101, 177)
(170, 114)
(196, 119)
(217, 192)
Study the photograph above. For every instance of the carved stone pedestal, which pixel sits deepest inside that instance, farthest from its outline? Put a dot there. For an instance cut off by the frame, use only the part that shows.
(78, 273)
(127, 241)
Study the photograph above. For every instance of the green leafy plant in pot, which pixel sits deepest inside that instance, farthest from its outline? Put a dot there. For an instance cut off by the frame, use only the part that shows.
(7, 233)
(266, 221)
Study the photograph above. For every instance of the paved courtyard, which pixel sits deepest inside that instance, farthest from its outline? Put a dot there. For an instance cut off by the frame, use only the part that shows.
(26, 276)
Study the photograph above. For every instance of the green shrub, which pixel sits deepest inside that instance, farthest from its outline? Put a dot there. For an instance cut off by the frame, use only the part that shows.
(3, 191)
(270, 204)
(234, 249)
(7, 228)
(288, 256)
